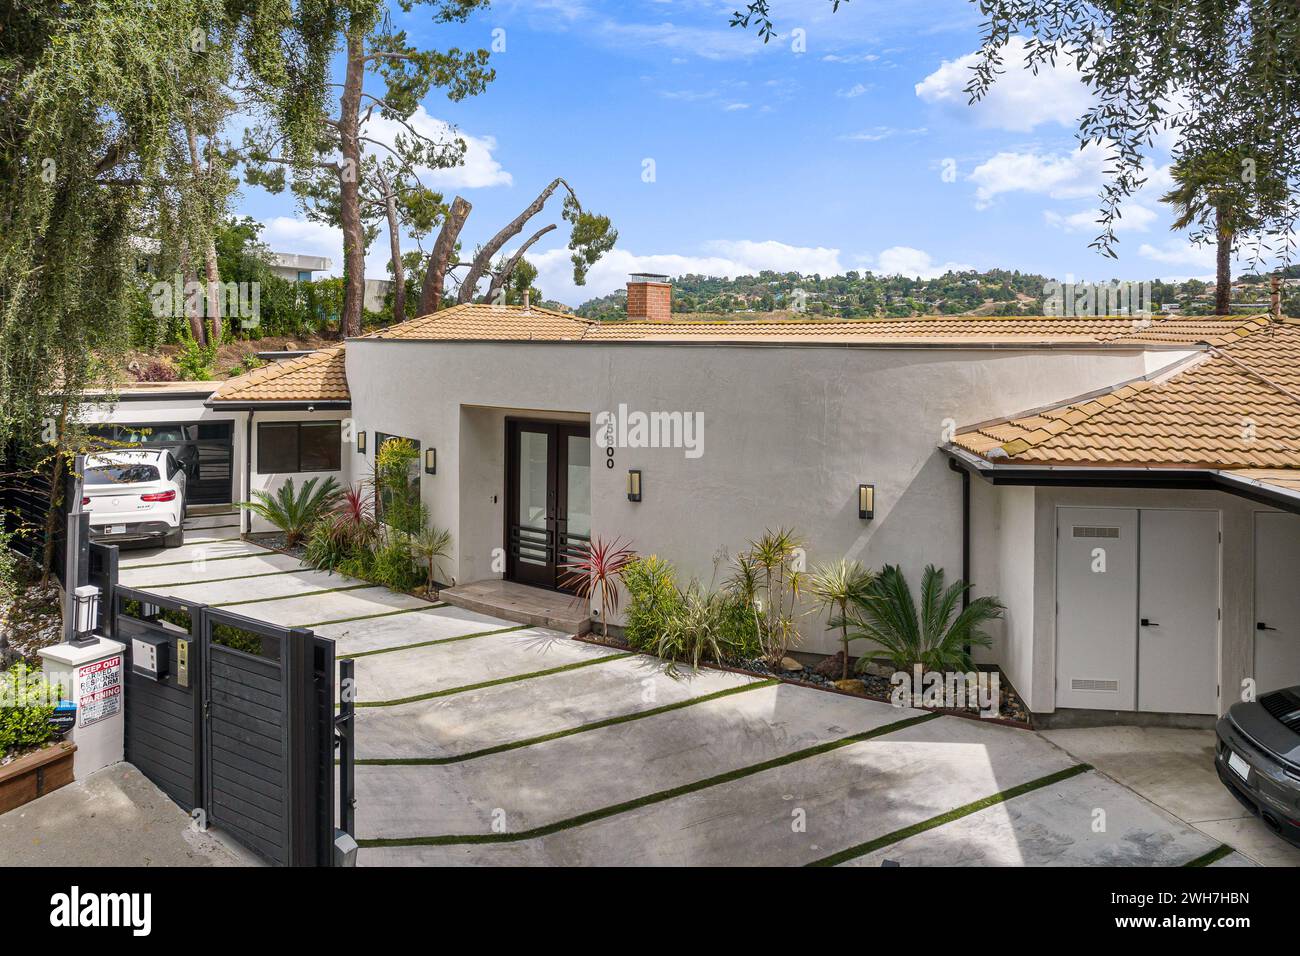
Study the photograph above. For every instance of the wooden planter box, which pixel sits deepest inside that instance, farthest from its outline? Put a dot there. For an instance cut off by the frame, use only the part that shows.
(35, 775)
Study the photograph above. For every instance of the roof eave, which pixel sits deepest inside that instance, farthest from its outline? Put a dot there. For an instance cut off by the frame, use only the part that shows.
(1102, 476)
(237, 405)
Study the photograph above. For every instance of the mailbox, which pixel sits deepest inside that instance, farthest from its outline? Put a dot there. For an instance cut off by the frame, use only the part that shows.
(150, 656)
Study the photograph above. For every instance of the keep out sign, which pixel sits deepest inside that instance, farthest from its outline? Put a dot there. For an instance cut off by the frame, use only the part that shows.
(99, 690)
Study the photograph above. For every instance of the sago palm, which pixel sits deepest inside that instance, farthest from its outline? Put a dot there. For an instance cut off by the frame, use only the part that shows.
(294, 511)
(934, 634)
(834, 587)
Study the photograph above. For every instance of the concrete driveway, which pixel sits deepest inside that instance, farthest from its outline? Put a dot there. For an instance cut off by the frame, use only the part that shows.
(485, 742)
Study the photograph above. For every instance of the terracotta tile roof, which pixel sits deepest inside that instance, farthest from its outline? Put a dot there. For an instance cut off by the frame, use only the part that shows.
(512, 323)
(318, 377)
(475, 320)
(1234, 407)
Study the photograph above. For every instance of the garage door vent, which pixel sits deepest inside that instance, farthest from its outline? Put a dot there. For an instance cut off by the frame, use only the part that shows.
(1077, 683)
(1081, 531)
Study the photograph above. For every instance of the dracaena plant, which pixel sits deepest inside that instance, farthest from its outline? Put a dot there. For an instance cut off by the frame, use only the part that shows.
(596, 574)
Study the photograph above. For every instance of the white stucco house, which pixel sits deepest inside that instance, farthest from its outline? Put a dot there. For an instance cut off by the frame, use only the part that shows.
(1130, 489)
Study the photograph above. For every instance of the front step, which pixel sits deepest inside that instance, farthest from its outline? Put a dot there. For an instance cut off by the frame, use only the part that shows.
(522, 604)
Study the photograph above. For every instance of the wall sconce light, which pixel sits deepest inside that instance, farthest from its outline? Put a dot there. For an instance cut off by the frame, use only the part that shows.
(86, 615)
(431, 461)
(866, 502)
(361, 443)
(634, 484)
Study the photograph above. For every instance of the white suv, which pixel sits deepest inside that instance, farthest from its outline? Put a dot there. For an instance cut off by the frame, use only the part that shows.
(135, 496)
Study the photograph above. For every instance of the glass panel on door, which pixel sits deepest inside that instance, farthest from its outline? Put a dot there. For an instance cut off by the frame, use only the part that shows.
(533, 488)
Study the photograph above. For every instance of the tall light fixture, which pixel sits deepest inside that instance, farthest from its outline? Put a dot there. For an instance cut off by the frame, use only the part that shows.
(634, 484)
(866, 502)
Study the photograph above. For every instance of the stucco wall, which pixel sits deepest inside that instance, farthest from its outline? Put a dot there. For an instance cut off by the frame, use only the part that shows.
(788, 434)
(273, 481)
(1027, 558)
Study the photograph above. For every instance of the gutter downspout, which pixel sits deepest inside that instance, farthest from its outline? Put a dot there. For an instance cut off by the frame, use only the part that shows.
(965, 528)
(245, 514)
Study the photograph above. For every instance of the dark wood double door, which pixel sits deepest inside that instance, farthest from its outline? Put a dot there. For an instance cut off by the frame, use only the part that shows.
(548, 499)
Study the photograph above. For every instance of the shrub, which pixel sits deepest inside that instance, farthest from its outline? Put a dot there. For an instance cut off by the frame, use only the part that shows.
(195, 361)
(935, 634)
(694, 630)
(294, 511)
(154, 370)
(27, 703)
(652, 596)
(767, 579)
(397, 485)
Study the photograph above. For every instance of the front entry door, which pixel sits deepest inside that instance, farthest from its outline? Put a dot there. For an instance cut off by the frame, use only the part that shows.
(1277, 601)
(548, 499)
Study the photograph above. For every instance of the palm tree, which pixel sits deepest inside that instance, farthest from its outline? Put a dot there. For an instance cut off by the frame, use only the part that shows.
(1210, 190)
(430, 545)
(294, 511)
(836, 586)
(935, 635)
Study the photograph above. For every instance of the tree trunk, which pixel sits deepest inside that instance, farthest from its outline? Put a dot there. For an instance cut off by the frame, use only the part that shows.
(501, 278)
(1223, 278)
(354, 249)
(56, 494)
(395, 249)
(192, 311)
(511, 229)
(210, 248)
(436, 273)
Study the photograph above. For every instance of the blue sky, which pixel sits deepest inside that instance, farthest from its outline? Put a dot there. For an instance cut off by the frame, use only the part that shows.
(847, 146)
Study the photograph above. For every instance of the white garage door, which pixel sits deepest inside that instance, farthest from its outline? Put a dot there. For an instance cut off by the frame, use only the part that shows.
(1137, 609)
(1277, 601)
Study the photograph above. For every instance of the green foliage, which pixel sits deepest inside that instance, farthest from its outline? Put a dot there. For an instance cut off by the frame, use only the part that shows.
(194, 363)
(237, 639)
(27, 703)
(933, 633)
(768, 575)
(834, 587)
(294, 510)
(690, 625)
(430, 546)
(391, 562)
(590, 238)
(397, 484)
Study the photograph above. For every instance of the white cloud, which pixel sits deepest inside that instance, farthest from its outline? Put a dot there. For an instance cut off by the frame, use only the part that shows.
(1134, 217)
(479, 169)
(877, 133)
(724, 257)
(910, 262)
(1179, 252)
(857, 89)
(1019, 100)
(1060, 176)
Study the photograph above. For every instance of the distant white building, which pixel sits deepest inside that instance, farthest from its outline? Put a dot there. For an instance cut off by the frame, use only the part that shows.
(298, 268)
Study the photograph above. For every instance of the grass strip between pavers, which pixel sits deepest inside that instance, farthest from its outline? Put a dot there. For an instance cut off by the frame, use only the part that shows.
(1205, 859)
(604, 812)
(300, 594)
(171, 564)
(556, 735)
(433, 643)
(235, 577)
(492, 683)
(367, 617)
(862, 849)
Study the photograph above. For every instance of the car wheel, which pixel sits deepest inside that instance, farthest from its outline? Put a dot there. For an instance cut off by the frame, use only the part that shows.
(175, 538)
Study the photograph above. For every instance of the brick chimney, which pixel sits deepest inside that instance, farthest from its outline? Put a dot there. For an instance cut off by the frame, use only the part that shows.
(649, 297)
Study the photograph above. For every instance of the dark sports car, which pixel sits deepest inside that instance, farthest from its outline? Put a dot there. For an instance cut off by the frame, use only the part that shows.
(1258, 758)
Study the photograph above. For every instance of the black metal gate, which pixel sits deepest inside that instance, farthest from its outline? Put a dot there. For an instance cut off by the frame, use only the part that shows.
(241, 727)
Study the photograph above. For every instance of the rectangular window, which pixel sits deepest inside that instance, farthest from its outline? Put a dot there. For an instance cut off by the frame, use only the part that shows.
(291, 447)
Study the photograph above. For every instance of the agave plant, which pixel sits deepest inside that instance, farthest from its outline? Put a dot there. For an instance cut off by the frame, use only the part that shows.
(834, 587)
(294, 510)
(597, 572)
(934, 634)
